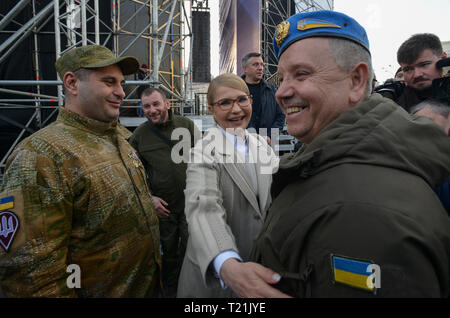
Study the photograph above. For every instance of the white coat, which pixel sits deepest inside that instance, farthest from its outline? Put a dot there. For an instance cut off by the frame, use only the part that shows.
(225, 207)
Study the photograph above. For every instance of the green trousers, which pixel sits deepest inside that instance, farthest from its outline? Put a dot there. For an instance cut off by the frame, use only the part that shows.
(174, 235)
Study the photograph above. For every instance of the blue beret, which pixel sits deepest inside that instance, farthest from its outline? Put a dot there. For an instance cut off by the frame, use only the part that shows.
(318, 23)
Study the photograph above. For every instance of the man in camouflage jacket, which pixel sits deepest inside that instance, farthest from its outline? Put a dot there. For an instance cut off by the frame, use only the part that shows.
(76, 217)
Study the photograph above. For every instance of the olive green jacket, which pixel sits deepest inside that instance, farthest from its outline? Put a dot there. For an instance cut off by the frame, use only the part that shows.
(80, 196)
(362, 193)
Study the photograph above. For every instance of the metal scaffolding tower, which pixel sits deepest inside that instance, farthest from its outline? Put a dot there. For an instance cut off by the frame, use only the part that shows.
(274, 12)
(160, 26)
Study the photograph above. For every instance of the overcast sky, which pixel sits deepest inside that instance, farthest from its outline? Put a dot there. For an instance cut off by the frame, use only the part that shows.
(389, 23)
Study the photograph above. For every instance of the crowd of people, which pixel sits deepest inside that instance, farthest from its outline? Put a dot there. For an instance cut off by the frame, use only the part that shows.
(360, 209)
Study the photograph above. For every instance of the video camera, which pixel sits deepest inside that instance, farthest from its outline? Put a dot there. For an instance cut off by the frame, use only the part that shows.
(391, 89)
(441, 86)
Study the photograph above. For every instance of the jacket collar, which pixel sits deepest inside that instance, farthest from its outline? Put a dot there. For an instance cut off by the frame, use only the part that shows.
(95, 126)
(223, 146)
(263, 83)
(236, 141)
(265, 165)
(376, 132)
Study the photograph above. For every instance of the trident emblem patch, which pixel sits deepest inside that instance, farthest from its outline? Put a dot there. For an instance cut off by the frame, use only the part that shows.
(9, 223)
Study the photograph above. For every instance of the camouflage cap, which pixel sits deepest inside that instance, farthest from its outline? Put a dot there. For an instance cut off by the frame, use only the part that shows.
(91, 57)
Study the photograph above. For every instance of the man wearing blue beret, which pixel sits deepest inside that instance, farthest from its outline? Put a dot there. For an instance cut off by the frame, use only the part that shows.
(354, 211)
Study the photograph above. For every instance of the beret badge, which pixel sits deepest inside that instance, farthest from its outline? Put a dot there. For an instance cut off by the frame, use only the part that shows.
(282, 32)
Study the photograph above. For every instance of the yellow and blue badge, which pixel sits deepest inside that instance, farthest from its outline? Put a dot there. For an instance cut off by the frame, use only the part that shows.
(355, 273)
(135, 159)
(6, 203)
(307, 24)
(9, 223)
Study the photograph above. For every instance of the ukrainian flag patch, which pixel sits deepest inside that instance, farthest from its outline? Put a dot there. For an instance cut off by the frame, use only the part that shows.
(352, 272)
(307, 24)
(6, 203)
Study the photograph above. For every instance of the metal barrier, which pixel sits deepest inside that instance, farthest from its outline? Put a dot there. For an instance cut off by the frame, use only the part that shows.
(201, 104)
(286, 143)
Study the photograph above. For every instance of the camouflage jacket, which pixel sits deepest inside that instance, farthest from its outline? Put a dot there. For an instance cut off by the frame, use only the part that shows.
(75, 193)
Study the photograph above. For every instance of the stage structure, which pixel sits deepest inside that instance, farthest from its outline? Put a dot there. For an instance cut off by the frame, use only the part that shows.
(240, 25)
(274, 12)
(33, 34)
(201, 41)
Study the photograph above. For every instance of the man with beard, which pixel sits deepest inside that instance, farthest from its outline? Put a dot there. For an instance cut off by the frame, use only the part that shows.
(166, 177)
(418, 57)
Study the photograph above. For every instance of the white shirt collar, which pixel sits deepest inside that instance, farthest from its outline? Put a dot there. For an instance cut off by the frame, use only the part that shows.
(239, 144)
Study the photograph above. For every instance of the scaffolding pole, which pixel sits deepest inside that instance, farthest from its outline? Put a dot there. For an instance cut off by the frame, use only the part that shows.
(155, 61)
(272, 13)
(16, 38)
(72, 20)
(12, 13)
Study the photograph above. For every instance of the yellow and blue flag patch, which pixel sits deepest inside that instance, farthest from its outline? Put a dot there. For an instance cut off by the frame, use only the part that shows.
(6, 203)
(352, 272)
(135, 159)
(307, 24)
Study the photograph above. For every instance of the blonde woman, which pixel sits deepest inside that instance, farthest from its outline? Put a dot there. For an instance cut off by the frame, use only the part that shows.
(227, 196)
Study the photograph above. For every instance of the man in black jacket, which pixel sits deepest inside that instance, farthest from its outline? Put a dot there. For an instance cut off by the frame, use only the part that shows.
(418, 57)
(266, 112)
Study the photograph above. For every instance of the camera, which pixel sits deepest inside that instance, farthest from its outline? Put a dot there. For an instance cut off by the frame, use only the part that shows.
(441, 86)
(391, 89)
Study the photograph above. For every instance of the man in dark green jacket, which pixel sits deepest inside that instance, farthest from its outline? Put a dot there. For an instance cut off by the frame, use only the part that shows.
(165, 163)
(354, 212)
